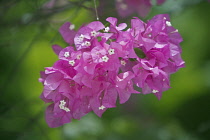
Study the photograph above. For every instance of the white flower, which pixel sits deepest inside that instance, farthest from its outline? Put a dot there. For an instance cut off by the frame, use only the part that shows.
(66, 54)
(101, 107)
(106, 29)
(168, 23)
(111, 51)
(94, 33)
(72, 62)
(154, 91)
(87, 43)
(62, 102)
(105, 58)
(72, 26)
(66, 109)
(123, 62)
(81, 37)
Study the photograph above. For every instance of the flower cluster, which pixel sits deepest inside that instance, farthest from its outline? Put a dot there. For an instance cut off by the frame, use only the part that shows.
(104, 63)
(142, 7)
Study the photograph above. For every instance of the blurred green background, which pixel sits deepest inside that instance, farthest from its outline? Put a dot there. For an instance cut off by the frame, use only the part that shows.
(28, 28)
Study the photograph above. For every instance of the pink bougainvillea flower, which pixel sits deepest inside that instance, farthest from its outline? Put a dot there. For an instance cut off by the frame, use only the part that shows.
(103, 63)
(68, 33)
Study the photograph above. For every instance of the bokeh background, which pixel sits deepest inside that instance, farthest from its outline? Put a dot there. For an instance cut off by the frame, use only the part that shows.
(28, 28)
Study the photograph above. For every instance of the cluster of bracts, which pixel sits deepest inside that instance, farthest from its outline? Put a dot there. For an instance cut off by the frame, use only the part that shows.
(104, 63)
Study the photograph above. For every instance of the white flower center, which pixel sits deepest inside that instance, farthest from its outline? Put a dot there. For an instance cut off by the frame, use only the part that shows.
(94, 33)
(123, 62)
(105, 58)
(72, 26)
(101, 107)
(106, 29)
(168, 23)
(62, 104)
(66, 54)
(81, 37)
(78, 56)
(87, 43)
(111, 51)
(72, 62)
(66, 109)
(154, 91)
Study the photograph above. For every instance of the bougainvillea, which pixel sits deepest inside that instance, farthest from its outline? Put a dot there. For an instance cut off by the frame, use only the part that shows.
(104, 63)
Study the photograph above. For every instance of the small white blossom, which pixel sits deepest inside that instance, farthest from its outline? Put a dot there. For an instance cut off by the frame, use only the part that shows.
(66, 109)
(123, 62)
(168, 23)
(72, 62)
(66, 54)
(72, 26)
(154, 91)
(78, 56)
(94, 33)
(87, 43)
(111, 51)
(62, 102)
(81, 37)
(101, 107)
(61, 106)
(105, 58)
(106, 29)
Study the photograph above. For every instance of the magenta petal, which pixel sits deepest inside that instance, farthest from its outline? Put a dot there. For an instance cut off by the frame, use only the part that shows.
(137, 25)
(110, 97)
(67, 34)
(43, 77)
(112, 20)
(50, 119)
(86, 81)
(44, 99)
(53, 80)
(158, 95)
(121, 26)
(68, 50)
(96, 25)
(95, 104)
(123, 95)
(56, 49)
(64, 88)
